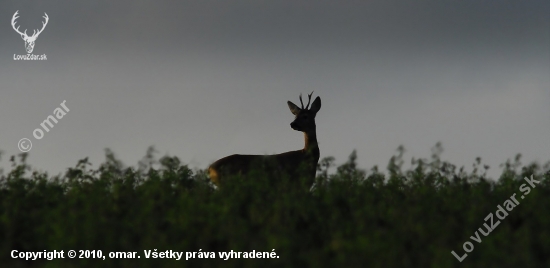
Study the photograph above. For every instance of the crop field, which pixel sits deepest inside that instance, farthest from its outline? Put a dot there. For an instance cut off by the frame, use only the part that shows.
(429, 215)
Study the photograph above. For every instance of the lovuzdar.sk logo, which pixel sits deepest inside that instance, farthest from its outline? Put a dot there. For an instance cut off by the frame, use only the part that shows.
(29, 40)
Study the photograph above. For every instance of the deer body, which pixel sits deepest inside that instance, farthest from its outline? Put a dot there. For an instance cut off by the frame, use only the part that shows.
(299, 164)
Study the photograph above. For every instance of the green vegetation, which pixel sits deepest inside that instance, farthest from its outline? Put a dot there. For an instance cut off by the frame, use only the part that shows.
(352, 218)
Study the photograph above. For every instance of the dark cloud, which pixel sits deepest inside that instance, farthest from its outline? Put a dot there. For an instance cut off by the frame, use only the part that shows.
(459, 26)
(153, 72)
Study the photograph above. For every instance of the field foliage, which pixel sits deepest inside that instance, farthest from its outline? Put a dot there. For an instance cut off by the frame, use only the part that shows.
(401, 217)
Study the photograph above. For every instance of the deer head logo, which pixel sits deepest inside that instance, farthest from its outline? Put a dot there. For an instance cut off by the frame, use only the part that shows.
(29, 40)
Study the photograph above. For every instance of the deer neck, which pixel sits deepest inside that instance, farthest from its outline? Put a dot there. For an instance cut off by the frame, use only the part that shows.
(311, 146)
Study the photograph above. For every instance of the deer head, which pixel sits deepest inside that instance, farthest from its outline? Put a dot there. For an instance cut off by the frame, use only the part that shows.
(29, 40)
(305, 116)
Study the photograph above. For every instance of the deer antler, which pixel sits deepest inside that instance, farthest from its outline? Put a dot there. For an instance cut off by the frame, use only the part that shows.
(13, 24)
(308, 101)
(44, 23)
(301, 101)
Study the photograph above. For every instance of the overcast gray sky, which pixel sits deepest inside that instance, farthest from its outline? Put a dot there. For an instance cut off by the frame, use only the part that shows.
(204, 79)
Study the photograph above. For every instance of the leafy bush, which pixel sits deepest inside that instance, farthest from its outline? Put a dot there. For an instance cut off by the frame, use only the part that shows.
(350, 218)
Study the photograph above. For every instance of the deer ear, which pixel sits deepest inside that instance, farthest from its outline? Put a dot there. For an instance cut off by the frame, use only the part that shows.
(316, 105)
(293, 108)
